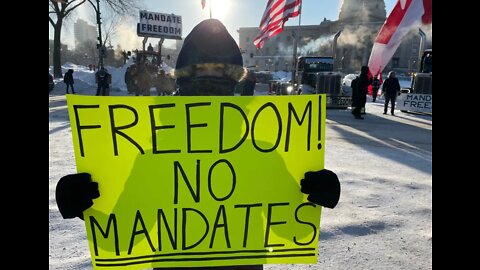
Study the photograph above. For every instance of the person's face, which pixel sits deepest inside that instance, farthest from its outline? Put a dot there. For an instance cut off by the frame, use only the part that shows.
(208, 80)
(208, 86)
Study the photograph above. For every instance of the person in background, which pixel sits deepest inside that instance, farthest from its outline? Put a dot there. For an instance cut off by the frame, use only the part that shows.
(427, 64)
(164, 84)
(103, 80)
(391, 89)
(209, 64)
(68, 80)
(359, 92)
(375, 86)
(128, 78)
(143, 80)
(51, 83)
(248, 84)
(150, 48)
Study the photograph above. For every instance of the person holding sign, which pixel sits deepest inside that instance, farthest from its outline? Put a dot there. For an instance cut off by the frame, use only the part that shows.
(209, 64)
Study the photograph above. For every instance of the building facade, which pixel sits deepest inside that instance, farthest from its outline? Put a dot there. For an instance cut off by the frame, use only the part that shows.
(84, 32)
(358, 24)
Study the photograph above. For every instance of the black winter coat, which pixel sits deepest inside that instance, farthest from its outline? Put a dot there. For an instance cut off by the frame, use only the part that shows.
(391, 87)
(360, 90)
(68, 78)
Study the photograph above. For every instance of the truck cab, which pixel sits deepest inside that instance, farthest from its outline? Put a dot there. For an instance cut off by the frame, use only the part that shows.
(418, 97)
(315, 75)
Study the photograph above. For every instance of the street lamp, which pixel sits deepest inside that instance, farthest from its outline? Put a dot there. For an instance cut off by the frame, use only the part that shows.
(99, 23)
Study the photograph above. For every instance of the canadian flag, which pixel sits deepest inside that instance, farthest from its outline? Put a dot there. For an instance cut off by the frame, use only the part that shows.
(406, 15)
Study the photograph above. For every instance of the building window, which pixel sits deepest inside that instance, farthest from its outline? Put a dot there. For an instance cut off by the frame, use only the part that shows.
(395, 62)
(247, 39)
(289, 38)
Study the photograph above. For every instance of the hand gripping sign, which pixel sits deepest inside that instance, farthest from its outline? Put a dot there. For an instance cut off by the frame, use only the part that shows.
(199, 181)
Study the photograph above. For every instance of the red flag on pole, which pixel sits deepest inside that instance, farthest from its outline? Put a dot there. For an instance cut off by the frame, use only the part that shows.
(203, 3)
(406, 15)
(276, 14)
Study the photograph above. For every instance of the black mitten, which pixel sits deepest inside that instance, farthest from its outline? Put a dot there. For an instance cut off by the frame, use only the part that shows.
(74, 194)
(322, 186)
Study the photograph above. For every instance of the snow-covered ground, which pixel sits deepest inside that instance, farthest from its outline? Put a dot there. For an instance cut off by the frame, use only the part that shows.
(382, 221)
(85, 80)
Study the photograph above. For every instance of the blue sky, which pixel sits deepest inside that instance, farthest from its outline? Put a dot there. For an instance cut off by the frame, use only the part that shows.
(233, 13)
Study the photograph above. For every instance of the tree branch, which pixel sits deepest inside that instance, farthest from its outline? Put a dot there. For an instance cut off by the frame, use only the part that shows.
(51, 21)
(54, 6)
(93, 5)
(123, 7)
(72, 8)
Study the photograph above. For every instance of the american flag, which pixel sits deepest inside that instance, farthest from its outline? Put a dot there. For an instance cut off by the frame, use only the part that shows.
(203, 3)
(274, 17)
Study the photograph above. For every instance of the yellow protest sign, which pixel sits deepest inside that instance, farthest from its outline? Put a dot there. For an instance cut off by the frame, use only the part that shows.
(199, 181)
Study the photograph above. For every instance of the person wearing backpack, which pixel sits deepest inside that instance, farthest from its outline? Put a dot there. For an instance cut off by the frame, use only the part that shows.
(68, 80)
(103, 80)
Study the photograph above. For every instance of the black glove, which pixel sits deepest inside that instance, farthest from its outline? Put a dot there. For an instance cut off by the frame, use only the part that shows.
(74, 194)
(323, 188)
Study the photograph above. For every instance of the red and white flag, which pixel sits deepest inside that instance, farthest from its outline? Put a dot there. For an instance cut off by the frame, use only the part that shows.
(406, 15)
(274, 17)
(203, 3)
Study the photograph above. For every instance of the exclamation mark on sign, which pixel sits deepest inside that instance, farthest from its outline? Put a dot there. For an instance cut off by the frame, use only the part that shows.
(319, 146)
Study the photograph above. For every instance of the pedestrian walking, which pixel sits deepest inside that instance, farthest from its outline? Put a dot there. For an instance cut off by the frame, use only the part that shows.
(68, 80)
(391, 89)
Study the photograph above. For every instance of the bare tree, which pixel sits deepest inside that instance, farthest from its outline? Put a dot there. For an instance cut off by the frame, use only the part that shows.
(110, 21)
(61, 9)
(122, 7)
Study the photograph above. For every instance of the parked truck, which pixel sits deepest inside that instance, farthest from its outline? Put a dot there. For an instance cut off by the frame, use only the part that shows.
(418, 97)
(316, 75)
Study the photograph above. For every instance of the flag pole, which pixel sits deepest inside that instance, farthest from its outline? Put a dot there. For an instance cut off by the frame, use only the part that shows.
(297, 39)
(210, 4)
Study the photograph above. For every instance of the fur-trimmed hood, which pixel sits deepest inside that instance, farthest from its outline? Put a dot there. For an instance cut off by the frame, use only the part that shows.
(209, 46)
